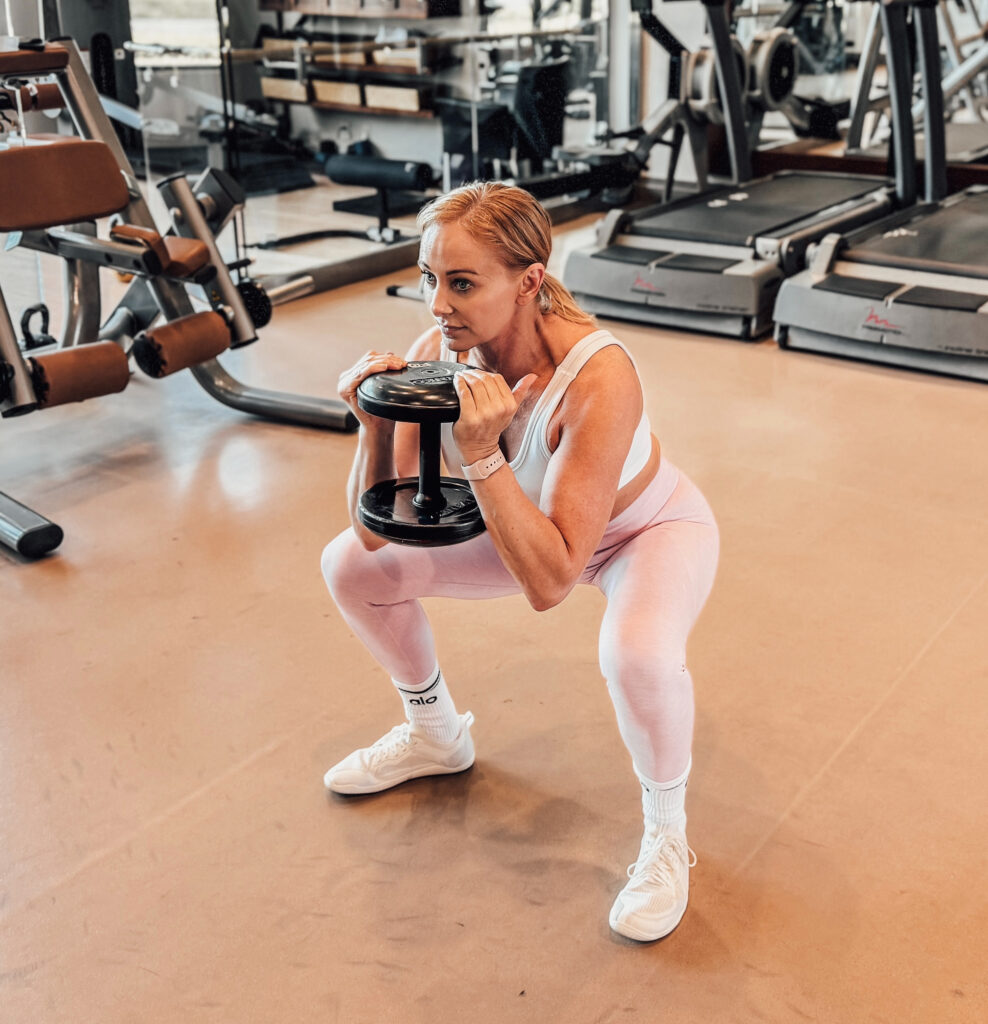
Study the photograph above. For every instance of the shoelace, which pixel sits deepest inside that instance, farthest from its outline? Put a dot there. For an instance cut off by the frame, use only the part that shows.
(392, 743)
(658, 863)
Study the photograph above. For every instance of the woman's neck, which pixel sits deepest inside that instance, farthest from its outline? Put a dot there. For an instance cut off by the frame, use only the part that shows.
(538, 346)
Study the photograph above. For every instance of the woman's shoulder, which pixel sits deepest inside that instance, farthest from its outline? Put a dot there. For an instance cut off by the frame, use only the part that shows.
(606, 374)
(594, 348)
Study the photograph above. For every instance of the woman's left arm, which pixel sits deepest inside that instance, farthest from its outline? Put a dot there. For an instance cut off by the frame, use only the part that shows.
(546, 547)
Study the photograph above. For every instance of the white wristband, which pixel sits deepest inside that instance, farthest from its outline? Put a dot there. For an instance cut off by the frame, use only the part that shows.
(482, 468)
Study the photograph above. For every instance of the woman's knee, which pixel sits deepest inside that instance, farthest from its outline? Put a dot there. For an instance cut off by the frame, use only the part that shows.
(644, 664)
(345, 565)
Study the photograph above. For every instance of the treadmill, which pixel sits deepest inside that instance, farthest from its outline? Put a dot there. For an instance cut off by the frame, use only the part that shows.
(714, 261)
(912, 290)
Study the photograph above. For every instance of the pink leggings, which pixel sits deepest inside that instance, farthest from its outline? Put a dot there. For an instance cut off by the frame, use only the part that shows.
(655, 565)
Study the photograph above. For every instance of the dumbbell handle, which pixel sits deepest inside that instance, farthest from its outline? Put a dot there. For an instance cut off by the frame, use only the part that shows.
(430, 495)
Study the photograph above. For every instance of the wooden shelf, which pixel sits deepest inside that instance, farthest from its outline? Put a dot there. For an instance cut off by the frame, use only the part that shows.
(347, 108)
(368, 9)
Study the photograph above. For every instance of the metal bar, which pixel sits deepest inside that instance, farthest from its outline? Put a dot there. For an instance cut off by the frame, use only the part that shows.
(191, 223)
(934, 130)
(865, 77)
(430, 494)
(953, 48)
(307, 411)
(327, 276)
(654, 27)
(903, 145)
(24, 530)
(730, 90)
(13, 366)
(81, 297)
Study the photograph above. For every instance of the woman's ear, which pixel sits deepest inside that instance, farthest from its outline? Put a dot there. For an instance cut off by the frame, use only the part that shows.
(531, 282)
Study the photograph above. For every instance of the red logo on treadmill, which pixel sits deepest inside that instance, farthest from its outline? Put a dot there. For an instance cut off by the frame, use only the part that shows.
(873, 322)
(641, 285)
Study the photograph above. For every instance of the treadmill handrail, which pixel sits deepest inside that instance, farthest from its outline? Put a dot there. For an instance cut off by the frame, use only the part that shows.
(731, 90)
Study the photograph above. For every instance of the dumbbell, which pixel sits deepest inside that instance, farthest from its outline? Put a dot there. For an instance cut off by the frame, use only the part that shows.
(430, 509)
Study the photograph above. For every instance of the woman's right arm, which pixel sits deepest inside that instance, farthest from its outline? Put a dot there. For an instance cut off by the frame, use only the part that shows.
(385, 449)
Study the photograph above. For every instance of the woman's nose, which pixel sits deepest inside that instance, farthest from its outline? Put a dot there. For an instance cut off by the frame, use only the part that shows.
(439, 303)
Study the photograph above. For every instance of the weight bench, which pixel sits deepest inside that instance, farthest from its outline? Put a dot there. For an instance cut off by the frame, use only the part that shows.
(55, 189)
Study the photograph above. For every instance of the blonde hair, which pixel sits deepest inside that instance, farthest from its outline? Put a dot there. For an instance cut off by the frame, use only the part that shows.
(514, 224)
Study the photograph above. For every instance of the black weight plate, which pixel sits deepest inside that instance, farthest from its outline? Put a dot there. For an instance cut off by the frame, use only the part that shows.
(387, 510)
(423, 392)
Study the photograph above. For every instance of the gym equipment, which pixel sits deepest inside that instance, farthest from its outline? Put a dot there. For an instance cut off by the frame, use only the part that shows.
(964, 85)
(912, 289)
(383, 176)
(429, 509)
(396, 251)
(182, 308)
(714, 261)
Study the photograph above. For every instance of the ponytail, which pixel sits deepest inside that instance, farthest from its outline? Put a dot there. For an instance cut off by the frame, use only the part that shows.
(555, 297)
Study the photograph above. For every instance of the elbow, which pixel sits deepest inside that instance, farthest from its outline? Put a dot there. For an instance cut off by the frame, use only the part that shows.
(544, 598)
(368, 541)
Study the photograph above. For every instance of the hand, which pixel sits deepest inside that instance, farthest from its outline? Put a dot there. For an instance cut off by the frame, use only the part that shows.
(370, 363)
(487, 406)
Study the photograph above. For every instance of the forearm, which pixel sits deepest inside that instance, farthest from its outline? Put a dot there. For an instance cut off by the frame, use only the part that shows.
(374, 461)
(530, 544)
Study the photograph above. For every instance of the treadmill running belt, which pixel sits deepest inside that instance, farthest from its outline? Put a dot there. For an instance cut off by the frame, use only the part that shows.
(862, 287)
(733, 215)
(955, 235)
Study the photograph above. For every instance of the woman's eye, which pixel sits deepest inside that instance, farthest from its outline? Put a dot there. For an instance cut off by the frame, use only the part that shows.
(461, 284)
(430, 279)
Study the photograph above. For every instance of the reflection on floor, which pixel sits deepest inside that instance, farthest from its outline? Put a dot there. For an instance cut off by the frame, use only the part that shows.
(176, 681)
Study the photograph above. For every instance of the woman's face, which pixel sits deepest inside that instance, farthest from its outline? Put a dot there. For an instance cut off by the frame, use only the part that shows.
(474, 297)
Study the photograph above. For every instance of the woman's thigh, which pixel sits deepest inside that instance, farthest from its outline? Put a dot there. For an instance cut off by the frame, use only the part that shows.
(657, 582)
(400, 572)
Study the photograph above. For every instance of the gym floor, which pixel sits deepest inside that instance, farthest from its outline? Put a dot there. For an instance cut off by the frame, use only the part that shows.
(176, 680)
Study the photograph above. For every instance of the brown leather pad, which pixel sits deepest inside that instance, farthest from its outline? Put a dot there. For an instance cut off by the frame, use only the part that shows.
(182, 343)
(33, 62)
(186, 256)
(179, 257)
(75, 374)
(59, 183)
(46, 96)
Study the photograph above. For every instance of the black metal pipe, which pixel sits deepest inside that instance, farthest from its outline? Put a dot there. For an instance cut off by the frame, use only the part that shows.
(934, 130)
(903, 143)
(430, 493)
(730, 90)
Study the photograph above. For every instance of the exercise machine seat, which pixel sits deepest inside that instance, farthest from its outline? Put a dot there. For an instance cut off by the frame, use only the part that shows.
(33, 61)
(61, 180)
(59, 183)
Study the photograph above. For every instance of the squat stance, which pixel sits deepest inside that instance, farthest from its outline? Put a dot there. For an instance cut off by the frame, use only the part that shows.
(555, 441)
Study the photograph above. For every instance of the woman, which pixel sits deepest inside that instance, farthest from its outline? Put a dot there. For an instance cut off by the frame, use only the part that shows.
(554, 439)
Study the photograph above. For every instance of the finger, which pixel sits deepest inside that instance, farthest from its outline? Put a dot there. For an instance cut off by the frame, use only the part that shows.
(483, 384)
(522, 388)
(464, 392)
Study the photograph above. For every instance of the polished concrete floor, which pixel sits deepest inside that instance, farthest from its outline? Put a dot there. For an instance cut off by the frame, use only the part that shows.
(175, 681)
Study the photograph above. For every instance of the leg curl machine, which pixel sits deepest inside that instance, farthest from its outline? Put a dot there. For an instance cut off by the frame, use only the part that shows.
(55, 190)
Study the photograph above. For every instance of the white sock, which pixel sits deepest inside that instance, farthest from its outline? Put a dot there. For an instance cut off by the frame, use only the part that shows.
(664, 803)
(430, 708)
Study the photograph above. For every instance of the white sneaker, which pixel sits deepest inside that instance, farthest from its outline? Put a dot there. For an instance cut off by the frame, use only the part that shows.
(654, 900)
(401, 755)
